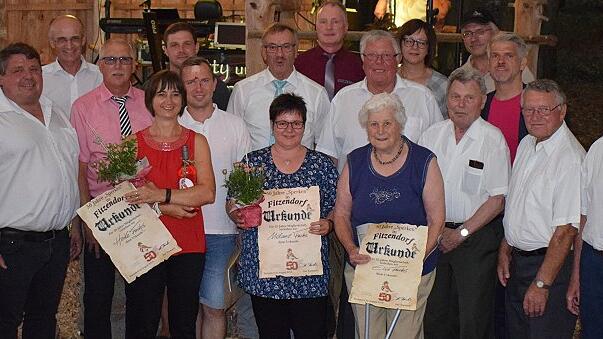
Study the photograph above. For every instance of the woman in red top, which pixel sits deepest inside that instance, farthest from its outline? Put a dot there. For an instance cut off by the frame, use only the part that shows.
(162, 145)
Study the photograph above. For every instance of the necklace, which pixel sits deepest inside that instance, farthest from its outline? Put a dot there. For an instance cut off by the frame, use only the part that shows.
(389, 161)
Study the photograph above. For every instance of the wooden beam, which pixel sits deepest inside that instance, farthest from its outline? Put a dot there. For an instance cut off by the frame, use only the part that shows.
(549, 40)
(48, 7)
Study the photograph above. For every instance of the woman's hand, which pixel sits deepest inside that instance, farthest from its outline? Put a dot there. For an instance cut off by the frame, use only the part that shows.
(149, 193)
(321, 227)
(178, 211)
(358, 259)
(237, 217)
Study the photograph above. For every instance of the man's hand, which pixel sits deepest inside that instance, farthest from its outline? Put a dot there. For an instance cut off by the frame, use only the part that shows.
(90, 242)
(2, 263)
(504, 262)
(321, 227)
(358, 259)
(573, 296)
(451, 239)
(76, 241)
(534, 302)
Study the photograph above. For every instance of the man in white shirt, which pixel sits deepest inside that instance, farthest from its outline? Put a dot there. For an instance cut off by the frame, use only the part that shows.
(475, 164)
(584, 297)
(70, 76)
(380, 53)
(39, 197)
(252, 96)
(542, 215)
(229, 141)
(477, 29)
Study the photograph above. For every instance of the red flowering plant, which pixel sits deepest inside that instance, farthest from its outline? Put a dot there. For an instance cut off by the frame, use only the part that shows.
(245, 186)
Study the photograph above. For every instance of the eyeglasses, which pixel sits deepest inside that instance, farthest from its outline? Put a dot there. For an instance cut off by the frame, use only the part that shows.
(281, 124)
(63, 40)
(477, 33)
(543, 111)
(273, 48)
(113, 60)
(409, 42)
(386, 57)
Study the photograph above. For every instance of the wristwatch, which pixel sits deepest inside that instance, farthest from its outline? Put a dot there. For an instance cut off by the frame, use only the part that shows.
(540, 284)
(464, 231)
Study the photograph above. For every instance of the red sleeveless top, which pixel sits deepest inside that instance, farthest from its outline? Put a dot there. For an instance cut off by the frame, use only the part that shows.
(166, 159)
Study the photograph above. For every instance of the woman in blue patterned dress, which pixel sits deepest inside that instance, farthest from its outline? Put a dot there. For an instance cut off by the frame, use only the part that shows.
(389, 180)
(282, 304)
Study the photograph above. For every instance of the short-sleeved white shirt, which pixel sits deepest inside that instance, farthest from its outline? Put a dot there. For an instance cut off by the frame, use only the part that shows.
(592, 195)
(343, 133)
(545, 189)
(468, 187)
(251, 99)
(228, 141)
(63, 88)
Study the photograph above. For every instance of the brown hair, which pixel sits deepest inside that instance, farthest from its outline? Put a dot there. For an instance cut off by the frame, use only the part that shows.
(413, 26)
(159, 82)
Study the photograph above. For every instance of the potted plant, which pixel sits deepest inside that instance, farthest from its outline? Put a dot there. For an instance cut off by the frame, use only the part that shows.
(245, 186)
(120, 164)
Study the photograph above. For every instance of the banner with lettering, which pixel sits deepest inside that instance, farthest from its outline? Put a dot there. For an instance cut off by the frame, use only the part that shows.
(132, 235)
(286, 246)
(391, 278)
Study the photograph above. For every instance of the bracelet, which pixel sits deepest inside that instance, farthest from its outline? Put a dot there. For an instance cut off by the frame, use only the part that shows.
(168, 195)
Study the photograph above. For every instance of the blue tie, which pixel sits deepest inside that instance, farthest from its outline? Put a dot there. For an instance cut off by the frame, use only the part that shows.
(278, 90)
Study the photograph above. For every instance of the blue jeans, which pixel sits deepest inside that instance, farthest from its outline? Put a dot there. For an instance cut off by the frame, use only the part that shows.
(31, 286)
(219, 249)
(591, 292)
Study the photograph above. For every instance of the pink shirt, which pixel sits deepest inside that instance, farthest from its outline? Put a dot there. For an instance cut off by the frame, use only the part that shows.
(95, 117)
(505, 115)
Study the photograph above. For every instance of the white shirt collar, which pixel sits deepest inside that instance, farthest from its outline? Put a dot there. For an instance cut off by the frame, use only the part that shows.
(56, 66)
(292, 79)
(188, 119)
(552, 143)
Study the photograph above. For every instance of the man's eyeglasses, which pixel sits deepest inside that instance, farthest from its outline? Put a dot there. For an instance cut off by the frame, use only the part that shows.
(281, 124)
(113, 60)
(386, 57)
(477, 33)
(409, 42)
(63, 40)
(543, 111)
(273, 48)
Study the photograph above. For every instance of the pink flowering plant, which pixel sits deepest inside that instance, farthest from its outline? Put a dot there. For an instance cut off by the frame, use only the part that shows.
(245, 186)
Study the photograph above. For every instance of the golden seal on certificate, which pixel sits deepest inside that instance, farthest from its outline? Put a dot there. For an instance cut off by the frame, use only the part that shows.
(132, 235)
(391, 278)
(286, 246)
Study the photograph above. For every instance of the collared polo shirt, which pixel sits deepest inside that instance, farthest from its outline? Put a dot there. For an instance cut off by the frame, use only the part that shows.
(544, 191)
(467, 187)
(228, 141)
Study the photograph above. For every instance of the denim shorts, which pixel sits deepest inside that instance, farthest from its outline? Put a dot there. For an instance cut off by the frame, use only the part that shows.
(219, 248)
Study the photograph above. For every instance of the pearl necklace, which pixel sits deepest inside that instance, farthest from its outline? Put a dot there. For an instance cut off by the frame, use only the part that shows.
(389, 161)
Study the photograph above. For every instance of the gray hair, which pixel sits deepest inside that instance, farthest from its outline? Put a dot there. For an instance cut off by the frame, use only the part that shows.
(545, 86)
(122, 42)
(464, 76)
(374, 35)
(380, 102)
(522, 47)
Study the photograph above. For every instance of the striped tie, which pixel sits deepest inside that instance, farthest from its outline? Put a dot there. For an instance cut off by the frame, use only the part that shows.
(124, 119)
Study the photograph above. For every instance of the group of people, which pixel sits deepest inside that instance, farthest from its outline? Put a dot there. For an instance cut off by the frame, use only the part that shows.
(482, 158)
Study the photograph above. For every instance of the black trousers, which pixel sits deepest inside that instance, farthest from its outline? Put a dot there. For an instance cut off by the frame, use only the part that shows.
(461, 303)
(31, 286)
(99, 277)
(307, 317)
(181, 274)
(557, 321)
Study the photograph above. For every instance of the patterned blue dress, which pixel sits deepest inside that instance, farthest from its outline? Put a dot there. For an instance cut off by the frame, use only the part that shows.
(317, 169)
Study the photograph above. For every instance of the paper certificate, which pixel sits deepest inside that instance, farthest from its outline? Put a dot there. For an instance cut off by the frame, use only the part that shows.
(132, 235)
(285, 244)
(391, 278)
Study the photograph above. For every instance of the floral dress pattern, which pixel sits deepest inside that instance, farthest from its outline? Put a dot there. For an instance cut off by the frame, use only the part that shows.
(317, 169)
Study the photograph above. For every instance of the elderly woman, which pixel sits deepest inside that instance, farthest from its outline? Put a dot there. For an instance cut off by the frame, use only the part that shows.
(282, 304)
(389, 180)
(162, 145)
(418, 44)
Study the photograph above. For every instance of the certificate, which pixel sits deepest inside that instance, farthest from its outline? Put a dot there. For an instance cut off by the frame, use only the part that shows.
(132, 235)
(286, 246)
(391, 278)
